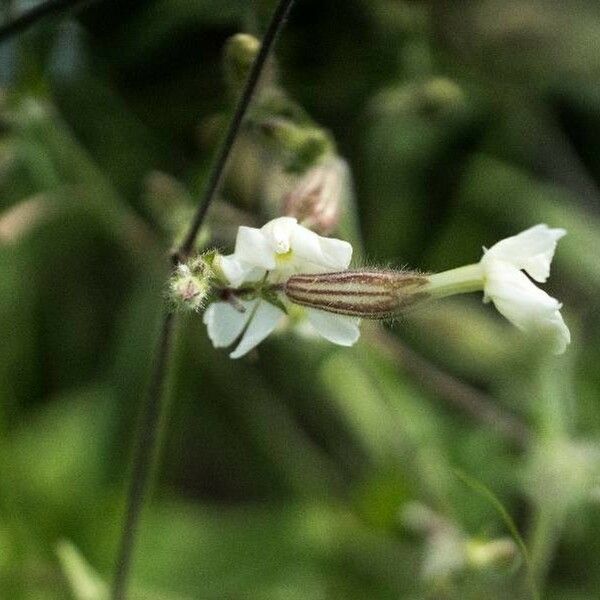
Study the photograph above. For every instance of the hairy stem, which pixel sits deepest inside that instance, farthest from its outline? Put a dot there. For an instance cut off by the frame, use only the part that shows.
(146, 448)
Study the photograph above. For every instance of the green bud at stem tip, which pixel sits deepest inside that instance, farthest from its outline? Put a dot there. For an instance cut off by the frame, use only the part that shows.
(240, 52)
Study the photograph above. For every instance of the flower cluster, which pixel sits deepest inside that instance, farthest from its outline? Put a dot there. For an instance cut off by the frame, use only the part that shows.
(284, 264)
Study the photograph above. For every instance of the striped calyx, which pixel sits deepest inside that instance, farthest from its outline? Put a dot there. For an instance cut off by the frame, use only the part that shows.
(370, 294)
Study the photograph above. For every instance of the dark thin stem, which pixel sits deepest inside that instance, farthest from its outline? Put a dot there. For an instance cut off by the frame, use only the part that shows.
(145, 455)
(146, 449)
(32, 16)
(461, 395)
(216, 175)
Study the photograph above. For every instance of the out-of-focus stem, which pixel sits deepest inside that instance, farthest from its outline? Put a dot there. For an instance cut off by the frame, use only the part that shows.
(218, 170)
(146, 453)
(450, 389)
(547, 527)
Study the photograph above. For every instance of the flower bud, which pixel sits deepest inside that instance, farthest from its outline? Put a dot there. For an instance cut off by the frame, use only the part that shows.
(189, 285)
(317, 199)
(240, 52)
(369, 294)
(303, 145)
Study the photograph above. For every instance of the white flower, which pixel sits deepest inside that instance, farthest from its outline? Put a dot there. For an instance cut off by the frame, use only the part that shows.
(500, 275)
(514, 294)
(274, 252)
(282, 247)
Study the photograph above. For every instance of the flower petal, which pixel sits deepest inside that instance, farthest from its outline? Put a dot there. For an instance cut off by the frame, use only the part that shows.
(264, 319)
(319, 253)
(337, 253)
(239, 271)
(338, 329)
(278, 232)
(531, 250)
(224, 323)
(253, 247)
(524, 304)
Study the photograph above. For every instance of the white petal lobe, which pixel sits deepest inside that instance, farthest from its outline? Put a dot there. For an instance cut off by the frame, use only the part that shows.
(263, 321)
(306, 247)
(279, 233)
(338, 329)
(531, 250)
(253, 248)
(224, 323)
(524, 304)
(337, 253)
(238, 272)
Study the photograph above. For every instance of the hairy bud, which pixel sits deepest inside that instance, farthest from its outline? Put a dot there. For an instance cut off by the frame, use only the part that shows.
(369, 294)
(190, 284)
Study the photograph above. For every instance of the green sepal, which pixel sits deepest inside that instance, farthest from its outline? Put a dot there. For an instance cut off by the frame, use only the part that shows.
(209, 256)
(271, 297)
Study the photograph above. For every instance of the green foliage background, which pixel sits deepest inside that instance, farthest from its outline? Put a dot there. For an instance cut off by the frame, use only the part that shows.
(305, 470)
